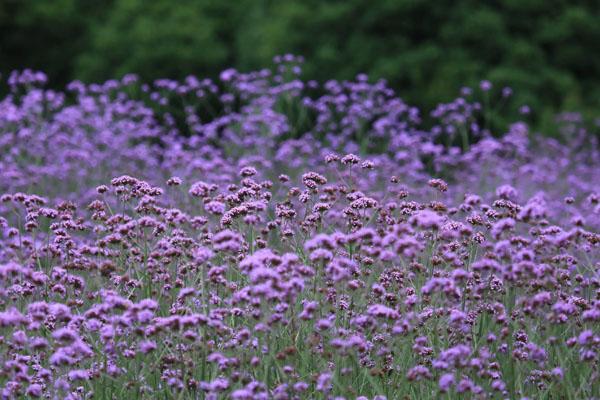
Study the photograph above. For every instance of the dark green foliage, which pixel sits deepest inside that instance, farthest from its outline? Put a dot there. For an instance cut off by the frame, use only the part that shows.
(547, 50)
(47, 35)
(159, 39)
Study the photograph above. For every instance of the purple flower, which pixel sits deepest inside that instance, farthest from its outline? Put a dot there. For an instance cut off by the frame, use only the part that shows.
(557, 373)
(446, 381)
(78, 374)
(585, 337)
(146, 346)
(34, 390)
(228, 241)
(324, 382)
(485, 85)
(379, 310)
(427, 220)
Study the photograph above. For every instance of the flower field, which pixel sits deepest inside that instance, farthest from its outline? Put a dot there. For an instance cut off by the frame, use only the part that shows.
(265, 237)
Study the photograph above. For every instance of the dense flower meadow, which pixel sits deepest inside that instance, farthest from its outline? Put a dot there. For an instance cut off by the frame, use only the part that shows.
(264, 237)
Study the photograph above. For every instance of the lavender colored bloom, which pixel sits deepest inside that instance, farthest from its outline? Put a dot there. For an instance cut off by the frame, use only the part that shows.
(485, 85)
(324, 382)
(585, 337)
(427, 220)
(558, 373)
(34, 390)
(446, 381)
(78, 374)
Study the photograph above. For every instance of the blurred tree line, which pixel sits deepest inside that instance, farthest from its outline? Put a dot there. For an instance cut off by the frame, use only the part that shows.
(547, 50)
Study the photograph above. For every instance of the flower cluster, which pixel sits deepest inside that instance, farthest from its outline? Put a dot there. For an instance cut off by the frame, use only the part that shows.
(264, 256)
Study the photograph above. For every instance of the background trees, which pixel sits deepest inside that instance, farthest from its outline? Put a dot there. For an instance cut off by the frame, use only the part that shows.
(547, 50)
